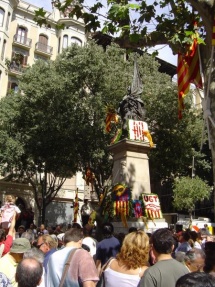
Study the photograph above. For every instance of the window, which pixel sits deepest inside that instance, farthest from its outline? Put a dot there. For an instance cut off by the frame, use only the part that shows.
(8, 20)
(18, 60)
(77, 41)
(43, 43)
(65, 41)
(2, 12)
(21, 35)
(3, 49)
(39, 57)
(12, 86)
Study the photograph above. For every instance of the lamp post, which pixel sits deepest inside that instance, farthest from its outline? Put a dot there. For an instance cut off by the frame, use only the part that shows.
(43, 207)
(41, 183)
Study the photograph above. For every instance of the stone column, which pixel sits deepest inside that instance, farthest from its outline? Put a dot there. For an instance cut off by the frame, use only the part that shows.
(131, 165)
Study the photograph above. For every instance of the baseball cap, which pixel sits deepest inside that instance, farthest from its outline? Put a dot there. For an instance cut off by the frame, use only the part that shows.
(20, 245)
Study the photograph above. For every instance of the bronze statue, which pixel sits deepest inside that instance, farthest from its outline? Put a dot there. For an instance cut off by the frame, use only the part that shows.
(131, 106)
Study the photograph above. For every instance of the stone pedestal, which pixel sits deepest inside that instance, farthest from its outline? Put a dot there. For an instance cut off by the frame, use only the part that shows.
(131, 165)
(150, 227)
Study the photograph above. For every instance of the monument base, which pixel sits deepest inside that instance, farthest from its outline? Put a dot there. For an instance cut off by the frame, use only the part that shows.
(131, 165)
(150, 227)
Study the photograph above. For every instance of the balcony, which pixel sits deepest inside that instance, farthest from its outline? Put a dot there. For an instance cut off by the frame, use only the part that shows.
(16, 69)
(22, 41)
(43, 49)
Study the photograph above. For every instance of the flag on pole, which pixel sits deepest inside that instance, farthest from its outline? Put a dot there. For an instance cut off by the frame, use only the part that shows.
(188, 71)
(213, 33)
(76, 206)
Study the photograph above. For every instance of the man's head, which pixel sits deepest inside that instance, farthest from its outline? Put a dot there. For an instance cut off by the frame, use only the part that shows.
(45, 243)
(162, 241)
(34, 253)
(21, 229)
(31, 226)
(58, 228)
(195, 259)
(184, 237)
(196, 279)
(107, 230)
(42, 227)
(73, 235)
(29, 273)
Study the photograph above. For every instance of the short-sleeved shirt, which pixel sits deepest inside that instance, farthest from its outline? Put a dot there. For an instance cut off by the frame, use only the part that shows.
(47, 256)
(4, 281)
(164, 273)
(107, 248)
(8, 267)
(183, 247)
(82, 268)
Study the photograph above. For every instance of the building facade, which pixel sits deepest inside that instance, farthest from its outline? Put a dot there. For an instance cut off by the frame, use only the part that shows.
(23, 42)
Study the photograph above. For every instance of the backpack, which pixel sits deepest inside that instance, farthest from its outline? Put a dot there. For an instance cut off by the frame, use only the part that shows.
(7, 215)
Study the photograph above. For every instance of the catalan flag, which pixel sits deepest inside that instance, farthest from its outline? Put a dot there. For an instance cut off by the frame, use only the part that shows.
(213, 33)
(110, 117)
(188, 71)
(76, 206)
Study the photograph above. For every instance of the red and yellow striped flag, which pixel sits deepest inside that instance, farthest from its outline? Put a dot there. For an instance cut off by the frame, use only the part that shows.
(188, 71)
(213, 33)
(76, 206)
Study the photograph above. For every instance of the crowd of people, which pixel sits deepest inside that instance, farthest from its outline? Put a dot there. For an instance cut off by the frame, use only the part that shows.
(74, 256)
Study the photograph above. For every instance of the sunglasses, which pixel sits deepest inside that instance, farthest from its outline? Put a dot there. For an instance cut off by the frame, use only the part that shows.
(38, 246)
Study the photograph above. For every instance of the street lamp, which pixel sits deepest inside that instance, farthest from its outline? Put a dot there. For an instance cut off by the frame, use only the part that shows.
(41, 181)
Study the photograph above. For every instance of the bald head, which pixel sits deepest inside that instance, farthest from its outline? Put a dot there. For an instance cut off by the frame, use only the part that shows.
(29, 273)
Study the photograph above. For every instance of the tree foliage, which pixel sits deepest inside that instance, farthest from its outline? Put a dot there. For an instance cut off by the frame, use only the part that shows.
(55, 127)
(188, 191)
(143, 23)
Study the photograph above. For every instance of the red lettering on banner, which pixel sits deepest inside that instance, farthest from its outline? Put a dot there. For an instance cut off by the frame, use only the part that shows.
(135, 130)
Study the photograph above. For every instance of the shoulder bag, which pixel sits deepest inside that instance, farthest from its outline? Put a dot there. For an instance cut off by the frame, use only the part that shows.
(66, 266)
(101, 282)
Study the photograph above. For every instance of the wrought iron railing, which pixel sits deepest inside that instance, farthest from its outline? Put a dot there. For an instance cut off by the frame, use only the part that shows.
(22, 40)
(44, 48)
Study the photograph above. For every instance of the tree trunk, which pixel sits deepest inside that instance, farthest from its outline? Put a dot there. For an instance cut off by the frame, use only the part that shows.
(208, 65)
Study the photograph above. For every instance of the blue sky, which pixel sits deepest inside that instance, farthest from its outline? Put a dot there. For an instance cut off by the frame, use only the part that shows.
(165, 52)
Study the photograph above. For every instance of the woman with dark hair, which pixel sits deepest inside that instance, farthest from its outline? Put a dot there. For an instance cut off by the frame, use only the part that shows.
(130, 263)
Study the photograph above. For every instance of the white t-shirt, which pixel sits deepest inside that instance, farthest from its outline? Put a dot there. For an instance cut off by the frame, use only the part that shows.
(114, 278)
(197, 245)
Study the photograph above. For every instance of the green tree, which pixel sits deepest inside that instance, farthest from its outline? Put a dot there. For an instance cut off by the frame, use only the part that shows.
(188, 191)
(143, 24)
(55, 127)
